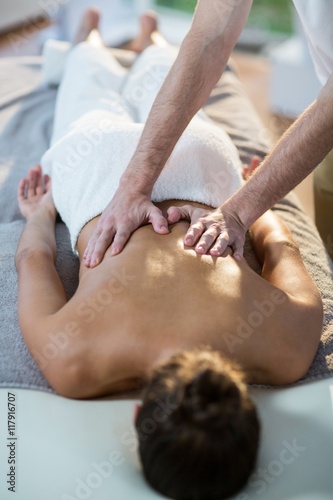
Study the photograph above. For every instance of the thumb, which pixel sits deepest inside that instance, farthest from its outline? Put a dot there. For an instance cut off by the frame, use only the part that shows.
(158, 221)
(175, 214)
(238, 250)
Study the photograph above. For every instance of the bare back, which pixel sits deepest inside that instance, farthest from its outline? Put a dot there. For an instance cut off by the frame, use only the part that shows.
(157, 297)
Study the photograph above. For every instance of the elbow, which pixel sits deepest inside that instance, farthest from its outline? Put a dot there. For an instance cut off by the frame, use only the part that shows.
(68, 379)
(64, 382)
(288, 368)
(296, 356)
(291, 370)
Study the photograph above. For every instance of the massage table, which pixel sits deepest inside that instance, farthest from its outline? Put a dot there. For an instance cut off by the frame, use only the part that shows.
(66, 449)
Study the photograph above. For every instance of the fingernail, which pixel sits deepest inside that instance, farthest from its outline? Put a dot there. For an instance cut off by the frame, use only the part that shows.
(188, 241)
(114, 251)
(164, 228)
(200, 248)
(94, 262)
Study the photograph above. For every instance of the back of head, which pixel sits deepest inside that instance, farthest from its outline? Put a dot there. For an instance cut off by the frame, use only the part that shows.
(198, 430)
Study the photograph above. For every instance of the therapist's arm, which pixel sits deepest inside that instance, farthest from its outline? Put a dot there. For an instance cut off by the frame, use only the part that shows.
(201, 61)
(296, 155)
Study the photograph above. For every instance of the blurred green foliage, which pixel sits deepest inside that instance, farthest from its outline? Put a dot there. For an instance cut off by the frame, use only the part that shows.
(187, 5)
(270, 15)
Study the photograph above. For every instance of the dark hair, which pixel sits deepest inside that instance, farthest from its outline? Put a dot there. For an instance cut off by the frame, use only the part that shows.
(198, 429)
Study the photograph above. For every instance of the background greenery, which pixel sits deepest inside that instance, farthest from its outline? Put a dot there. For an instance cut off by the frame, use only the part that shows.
(270, 15)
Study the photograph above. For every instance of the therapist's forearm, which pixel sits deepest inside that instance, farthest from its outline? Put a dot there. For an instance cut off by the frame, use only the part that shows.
(296, 155)
(200, 63)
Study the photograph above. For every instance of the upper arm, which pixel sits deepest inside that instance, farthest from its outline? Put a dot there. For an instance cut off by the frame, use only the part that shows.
(48, 325)
(76, 362)
(40, 296)
(282, 264)
(283, 267)
(40, 291)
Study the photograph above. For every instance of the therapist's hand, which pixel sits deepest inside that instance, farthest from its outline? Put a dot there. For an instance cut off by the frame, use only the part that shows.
(214, 230)
(127, 211)
(211, 231)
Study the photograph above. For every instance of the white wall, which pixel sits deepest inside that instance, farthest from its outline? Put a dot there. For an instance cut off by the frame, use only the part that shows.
(294, 83)
(15, 12)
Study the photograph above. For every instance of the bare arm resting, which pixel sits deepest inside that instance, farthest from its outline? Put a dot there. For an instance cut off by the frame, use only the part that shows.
(40, 291)
(201, 61)
(300, 317)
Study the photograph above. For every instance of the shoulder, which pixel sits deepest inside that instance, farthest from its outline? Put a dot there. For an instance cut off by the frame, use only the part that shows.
(57, 348)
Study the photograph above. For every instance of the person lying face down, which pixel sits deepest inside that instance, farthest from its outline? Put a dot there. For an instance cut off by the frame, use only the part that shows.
(191, 329)
(182, 327)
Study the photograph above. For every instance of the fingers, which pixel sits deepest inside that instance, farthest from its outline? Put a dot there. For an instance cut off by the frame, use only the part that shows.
(89, 252)
(245, 172)
(21, 191)
(208, 238)
(255, 162)
(39, 182)
(220, 245)
(190, 214)
(32, 181)
(100, 241)
(159, 223)
(212, 233)
(120, 240)
(175, 214)
(193, 234)
(249, 169)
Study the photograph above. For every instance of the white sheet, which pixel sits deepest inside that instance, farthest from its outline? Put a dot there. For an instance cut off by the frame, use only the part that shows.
(61, 444)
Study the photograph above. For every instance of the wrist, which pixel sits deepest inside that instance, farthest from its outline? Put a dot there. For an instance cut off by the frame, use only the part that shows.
(245, 207)
(231, 211)
(43, 213)
(135, 186)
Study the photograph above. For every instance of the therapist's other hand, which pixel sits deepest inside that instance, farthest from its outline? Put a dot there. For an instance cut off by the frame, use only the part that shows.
(127, 211)
(211, 231)
(214, 230)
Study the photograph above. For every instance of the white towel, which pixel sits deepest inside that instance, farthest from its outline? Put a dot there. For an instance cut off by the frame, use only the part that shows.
(95, 136)
(54, 55)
